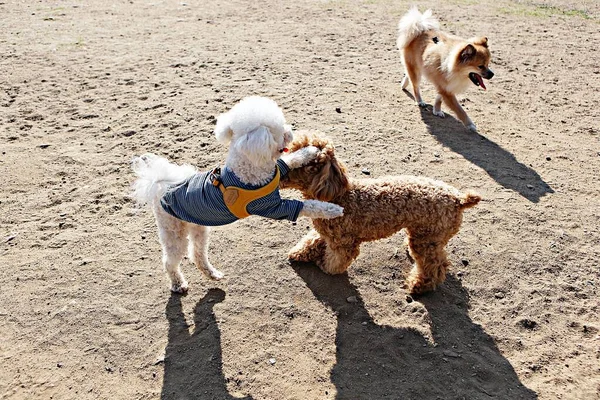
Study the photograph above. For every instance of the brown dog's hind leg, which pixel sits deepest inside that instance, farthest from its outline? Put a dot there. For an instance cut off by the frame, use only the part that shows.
(431, 264)
(413, 70)
(309, 249)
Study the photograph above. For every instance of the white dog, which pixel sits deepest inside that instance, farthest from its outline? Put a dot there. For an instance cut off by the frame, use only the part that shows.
(186, 202)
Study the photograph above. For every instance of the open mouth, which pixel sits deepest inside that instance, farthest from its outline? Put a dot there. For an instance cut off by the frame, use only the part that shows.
(477, 80)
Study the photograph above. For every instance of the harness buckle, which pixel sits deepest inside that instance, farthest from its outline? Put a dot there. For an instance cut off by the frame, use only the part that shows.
(215, 176)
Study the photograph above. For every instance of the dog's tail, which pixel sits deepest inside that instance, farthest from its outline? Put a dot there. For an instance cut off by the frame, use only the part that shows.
(155, 174)
(412, 24)
(469, 200)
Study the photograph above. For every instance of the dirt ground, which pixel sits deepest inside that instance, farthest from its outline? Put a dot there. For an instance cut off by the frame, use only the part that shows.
(85, 308)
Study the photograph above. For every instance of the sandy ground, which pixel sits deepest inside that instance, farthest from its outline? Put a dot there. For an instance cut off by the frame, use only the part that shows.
(85, 308)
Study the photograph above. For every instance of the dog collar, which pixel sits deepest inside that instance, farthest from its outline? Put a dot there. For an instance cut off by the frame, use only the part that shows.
(237, 199)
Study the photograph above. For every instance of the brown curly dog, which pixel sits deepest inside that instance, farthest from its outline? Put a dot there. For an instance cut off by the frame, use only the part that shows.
(430, 211)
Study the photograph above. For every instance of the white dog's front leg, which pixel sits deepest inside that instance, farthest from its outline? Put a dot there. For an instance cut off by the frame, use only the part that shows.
(321, 209)
(301, 157)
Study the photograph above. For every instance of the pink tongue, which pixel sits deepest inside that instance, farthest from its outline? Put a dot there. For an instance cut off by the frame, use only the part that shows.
(480, 81)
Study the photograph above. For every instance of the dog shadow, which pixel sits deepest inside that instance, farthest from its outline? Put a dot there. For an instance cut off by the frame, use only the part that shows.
(379, 362)
(499, 164)
(193, 363)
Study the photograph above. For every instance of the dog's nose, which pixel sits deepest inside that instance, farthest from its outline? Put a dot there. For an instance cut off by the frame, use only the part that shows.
(489, 74)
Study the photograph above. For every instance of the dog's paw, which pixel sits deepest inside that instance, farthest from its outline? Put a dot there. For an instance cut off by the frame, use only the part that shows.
(306, 155)
(419, 284)
(332, 211)
(310, 152)
(439, 113)
(179, 287)
(301, 157)
(210, 271)
(472, 127)
(299, 255)
(405, 82)
(422, 104)
(320, 209)
(216, 274)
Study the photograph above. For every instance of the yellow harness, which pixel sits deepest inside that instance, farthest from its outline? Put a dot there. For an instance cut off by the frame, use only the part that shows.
(237, 199)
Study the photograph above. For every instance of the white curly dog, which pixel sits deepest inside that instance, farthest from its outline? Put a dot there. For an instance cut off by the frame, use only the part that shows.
(186, 202)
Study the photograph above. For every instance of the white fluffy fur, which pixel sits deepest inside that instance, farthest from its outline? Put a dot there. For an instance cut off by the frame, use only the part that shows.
(155, 175)
(256, 133)
(413, 23)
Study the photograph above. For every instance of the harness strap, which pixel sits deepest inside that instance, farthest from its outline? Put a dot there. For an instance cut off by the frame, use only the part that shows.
(237, 199)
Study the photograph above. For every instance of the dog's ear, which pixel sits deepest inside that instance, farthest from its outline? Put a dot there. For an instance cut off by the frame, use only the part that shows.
(330, 182)
(467, 53)
(482, 41)
(257, 145)
(288, 136)
(223, 130)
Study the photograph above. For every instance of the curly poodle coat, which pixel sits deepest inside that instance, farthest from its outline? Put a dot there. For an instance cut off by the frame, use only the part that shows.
(429, 210)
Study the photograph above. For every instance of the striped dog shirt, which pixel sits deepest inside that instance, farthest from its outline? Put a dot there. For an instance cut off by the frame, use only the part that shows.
(197, 200)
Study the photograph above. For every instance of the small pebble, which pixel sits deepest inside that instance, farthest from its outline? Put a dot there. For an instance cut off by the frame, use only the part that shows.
(548, 158)
(465, 262)
(499, 295)
(409, 299)
(366, 171)
(352, 299)
(272, 361)
(449, 353)
(338, 110)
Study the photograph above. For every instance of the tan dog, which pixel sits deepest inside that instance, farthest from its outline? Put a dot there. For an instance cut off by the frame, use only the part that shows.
(449, 62)
(430, 211)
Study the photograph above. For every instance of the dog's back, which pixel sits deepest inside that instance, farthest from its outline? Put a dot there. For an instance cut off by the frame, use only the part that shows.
(378, 208)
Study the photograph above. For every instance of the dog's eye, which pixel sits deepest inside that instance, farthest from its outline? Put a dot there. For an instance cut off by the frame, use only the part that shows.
(481, 67)
(312, 168)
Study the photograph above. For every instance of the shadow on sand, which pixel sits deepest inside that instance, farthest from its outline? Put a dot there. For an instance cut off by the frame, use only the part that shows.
(193, 363)
(499, 164)
(383, 362)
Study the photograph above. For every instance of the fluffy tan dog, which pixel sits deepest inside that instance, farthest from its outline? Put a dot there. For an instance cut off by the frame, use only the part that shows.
(449, 62)
(430, 211)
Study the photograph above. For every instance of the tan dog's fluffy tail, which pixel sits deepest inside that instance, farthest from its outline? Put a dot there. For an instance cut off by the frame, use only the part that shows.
(469, 200)
(412, 24)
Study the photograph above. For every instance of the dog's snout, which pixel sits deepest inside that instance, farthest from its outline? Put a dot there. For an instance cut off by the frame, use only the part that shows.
(489, 74)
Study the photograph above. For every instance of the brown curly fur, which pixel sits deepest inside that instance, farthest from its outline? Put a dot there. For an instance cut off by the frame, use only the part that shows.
(430, 211)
